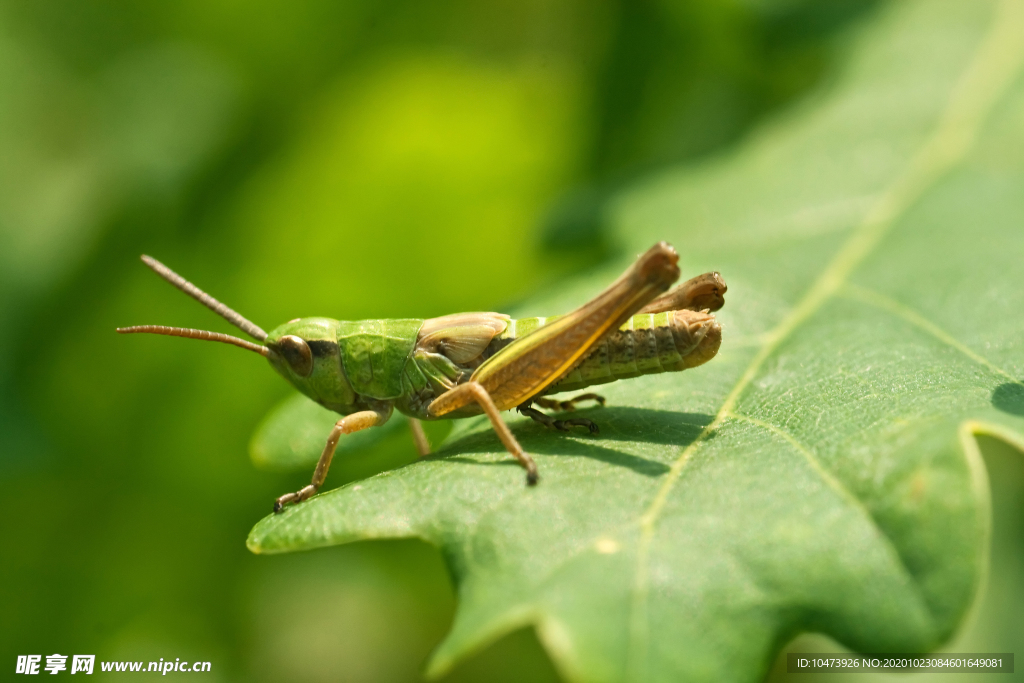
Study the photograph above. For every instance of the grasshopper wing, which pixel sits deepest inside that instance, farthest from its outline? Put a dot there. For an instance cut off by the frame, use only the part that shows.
(461, 337)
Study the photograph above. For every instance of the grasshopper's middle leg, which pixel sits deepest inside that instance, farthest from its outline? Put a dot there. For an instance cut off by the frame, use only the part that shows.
(346, 425)
(474, 392)
(419, 436)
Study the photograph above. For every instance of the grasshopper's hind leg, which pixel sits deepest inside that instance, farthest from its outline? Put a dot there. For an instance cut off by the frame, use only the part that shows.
(702, 293)
(474, 392)
(346, 425)
(527, 366)
(554, 404)
(560, 425)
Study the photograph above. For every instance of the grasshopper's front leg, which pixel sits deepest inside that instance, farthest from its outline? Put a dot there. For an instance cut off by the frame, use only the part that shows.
(530, 364)
(346, 425)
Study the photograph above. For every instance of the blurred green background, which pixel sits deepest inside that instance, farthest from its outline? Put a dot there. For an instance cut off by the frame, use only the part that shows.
(351, 160)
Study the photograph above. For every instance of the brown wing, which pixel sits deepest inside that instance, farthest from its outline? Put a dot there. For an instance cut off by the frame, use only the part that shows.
(461, 337)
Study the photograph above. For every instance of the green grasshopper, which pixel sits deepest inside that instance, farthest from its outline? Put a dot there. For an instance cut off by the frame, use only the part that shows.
(470, 363)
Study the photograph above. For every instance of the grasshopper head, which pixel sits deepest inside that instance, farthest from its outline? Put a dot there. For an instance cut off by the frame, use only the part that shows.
(305, 352)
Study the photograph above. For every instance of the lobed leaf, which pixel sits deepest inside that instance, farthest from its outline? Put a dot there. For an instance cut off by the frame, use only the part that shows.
(819, 475)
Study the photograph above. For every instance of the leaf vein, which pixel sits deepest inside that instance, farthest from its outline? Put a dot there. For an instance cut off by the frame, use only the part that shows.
(878, 300)
(991, 71)
(844, 493)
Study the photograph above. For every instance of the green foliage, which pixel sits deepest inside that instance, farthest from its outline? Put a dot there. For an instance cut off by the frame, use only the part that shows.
(992, 624)
(821, 474)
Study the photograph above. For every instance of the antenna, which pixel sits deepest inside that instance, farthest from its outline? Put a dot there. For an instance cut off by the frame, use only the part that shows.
(205, 299)
(195, 334)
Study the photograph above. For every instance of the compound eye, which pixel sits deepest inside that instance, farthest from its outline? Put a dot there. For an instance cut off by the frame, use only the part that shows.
(297, 353)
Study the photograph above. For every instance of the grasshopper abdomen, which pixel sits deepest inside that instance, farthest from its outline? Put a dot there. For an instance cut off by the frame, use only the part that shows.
(647, 343)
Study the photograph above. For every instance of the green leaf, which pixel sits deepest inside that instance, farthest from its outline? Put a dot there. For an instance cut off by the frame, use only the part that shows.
(819, 475)
(292, 435)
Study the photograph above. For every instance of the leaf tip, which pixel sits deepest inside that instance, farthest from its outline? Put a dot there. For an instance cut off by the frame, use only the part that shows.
(258, 535)
(437, 667)
(252, 542)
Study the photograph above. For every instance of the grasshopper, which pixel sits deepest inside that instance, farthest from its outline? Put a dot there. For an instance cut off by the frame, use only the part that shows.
(470, 363)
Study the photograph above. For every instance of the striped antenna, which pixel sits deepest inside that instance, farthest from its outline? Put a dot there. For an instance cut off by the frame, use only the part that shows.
(205, 299)
(195, 334)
